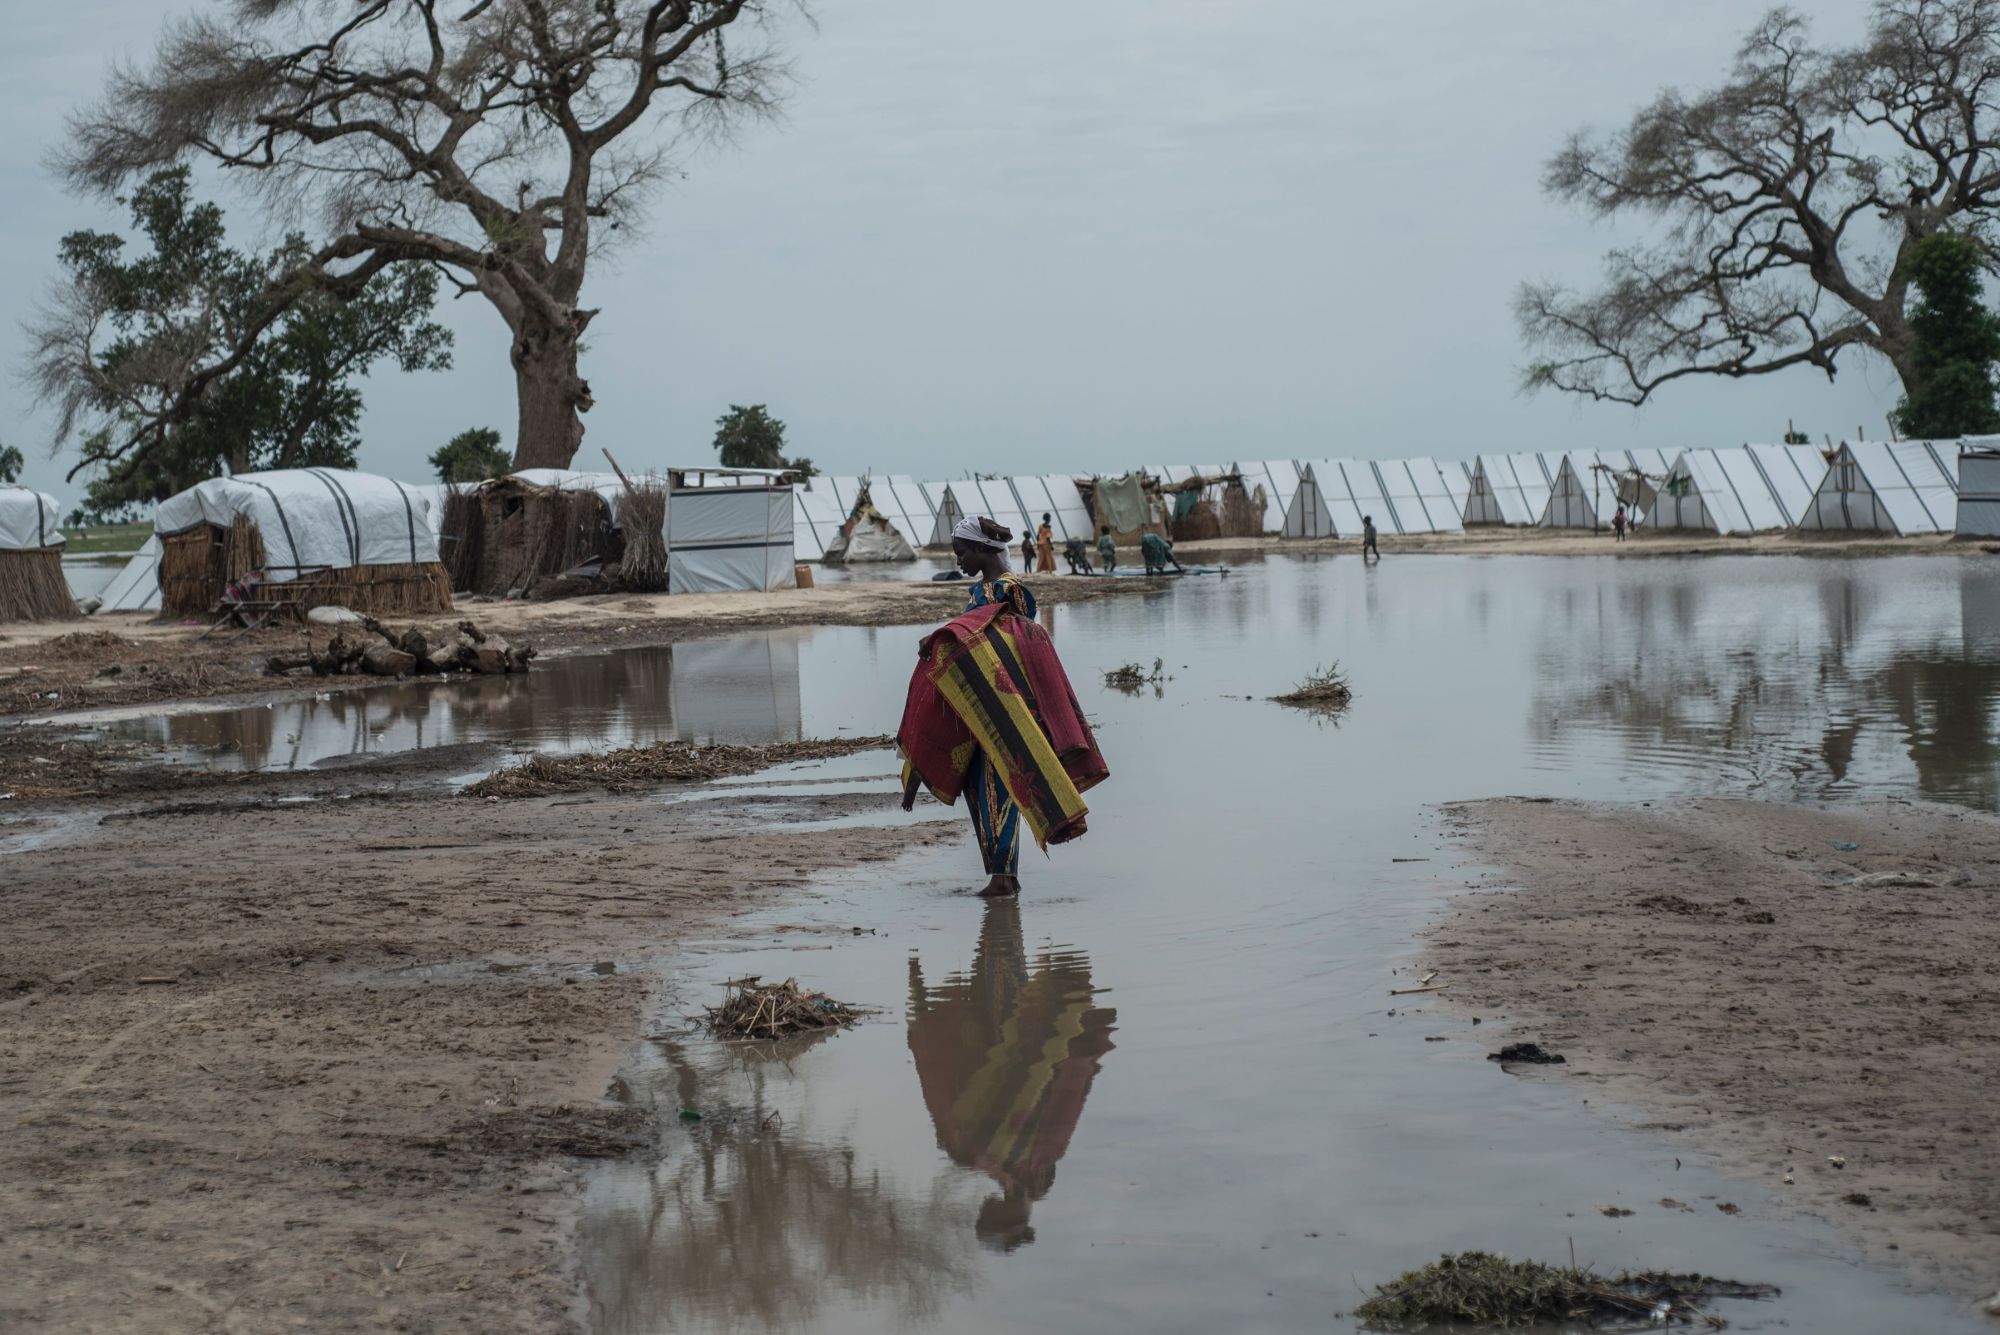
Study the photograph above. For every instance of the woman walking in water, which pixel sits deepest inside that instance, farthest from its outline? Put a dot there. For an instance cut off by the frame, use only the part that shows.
(991, 715)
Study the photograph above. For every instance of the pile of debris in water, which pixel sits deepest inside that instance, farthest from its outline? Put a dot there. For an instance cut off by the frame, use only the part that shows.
(755, 1009)
(1482, 1289)
(1324, 692)
(365, 645)
(1132, 676)
(663, 762)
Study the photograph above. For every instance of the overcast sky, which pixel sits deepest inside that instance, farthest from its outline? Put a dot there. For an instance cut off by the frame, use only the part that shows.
(1059, 236)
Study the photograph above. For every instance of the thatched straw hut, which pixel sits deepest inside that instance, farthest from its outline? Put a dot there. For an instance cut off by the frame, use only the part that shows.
(357, 540)
(32, 585)
(534, 525)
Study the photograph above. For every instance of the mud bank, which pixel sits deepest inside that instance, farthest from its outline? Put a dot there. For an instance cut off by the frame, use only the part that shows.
(335, 1065)
(1782, 987)
(123, 659)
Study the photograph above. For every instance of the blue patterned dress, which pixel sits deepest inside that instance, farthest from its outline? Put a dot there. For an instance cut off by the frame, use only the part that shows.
(996, 821)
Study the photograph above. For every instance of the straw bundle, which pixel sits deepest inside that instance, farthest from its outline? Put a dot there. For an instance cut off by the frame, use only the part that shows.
(198, 564)
(33, 588)
(755, 1009)
(642, 516)
(527, 532)
(461, 535)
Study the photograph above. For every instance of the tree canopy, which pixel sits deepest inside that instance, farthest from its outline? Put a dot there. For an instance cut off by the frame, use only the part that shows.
(494, 141)
(749, 437)
(113, 344)
(1789, 197)
(471, 456)
(1958, 340)
(11, 463)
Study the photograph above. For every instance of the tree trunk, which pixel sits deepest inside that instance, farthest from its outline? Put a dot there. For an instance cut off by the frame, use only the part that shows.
(553, 397)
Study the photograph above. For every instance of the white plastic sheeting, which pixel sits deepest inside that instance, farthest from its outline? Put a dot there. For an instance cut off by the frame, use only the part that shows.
(136, 588)
(1280, 480)
(1585, 494)
(722, 538)
(1419, 501)
(995, 499)
(606, 485)
(27, 519)
(906, 503)
(817, 514)
(1055, 495)
(1903, 486)
(1510, 489)
(1457, 477)
(1978, 492)
(1742, 489)
(312, 518)
(1333, 497)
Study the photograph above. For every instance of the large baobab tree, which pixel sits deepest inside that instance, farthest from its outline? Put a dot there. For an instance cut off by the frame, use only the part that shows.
(495, 140)
(1791, 197)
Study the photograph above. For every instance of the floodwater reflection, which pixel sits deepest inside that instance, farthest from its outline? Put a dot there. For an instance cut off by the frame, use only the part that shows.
(1006, 1055)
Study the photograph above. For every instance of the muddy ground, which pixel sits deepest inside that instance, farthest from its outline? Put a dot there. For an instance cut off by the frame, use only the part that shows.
(126, 658)
(1775, 985)
(334, 1065)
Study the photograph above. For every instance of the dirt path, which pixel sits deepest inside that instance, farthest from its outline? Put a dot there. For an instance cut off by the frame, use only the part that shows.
(1771, 984)
(361, 1100)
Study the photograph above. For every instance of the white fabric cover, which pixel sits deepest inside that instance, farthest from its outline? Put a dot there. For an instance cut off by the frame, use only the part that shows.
(816, 520)
(27, 519)
(1456, 475)
(1509, 489)
(722, 538)
(949, 512)
(312, 517)
(907, 504)
(994, 497)
(1585, 495)
(1418, 499)
(136, 588)
(1744, 489)
(1979, 493)
(1280, 480)
(1333, 497)
(1904, 486)
(1055, 495)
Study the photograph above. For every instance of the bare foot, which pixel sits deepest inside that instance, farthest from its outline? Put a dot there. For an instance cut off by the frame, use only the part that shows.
(1000, 887)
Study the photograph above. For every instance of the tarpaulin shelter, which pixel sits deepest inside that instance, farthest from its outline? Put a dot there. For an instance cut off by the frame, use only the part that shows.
(1333, 497)
(365, 542)
(1903, 486)
(869, 535)
(1280, 480)
(1585, 493)
(910, 505)
(1457, 476)
(1419, 501)
(1509, 489)
(136, 587)
(1978, 492)
(731, 537)
(1055, 495)
(1739, 489)
(817, 514)
(32, 584)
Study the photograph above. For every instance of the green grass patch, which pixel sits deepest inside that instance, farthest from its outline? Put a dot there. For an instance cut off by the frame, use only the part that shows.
(1477, 1289)
(106, 539)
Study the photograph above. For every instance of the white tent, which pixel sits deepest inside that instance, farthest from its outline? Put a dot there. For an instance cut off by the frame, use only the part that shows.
(734, 537)
(870, 533)
(949, 511)
(1419, 501)
(1457, 477)
(817, 515)
(1333, 497)
(908, 504)
(1280, 480)
(1978, 492)
(28, 519)
(136, 588)
(1510, 489)
(1903, 486)
(312, 518)
(994, 497)
(1585, 493)
(1055, 495)
(1744, 489)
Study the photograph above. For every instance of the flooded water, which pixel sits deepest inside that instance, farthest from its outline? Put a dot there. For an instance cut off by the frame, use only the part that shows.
(1167, 1091)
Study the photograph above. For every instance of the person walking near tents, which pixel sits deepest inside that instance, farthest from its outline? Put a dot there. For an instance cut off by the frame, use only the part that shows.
(1107, 549)
(1618, 523)
(1045, 548)
(1368, 547)
(990, 714)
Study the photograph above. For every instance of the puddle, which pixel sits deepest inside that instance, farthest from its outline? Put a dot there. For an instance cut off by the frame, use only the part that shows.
(1164, 1092)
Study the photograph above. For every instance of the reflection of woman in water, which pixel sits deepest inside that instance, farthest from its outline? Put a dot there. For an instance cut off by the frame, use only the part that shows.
(1006, 1057)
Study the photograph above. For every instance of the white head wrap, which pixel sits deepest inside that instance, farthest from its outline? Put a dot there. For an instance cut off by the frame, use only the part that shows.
(968, 529)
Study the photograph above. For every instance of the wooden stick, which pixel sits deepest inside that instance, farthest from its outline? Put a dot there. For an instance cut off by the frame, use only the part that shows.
(1409, 859)
(156, 980)
(1405, 991)
(1427, 977)
(621, 473)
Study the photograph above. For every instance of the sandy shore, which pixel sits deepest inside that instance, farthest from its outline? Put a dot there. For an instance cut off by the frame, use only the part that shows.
(1774, 985)
(360, 1101)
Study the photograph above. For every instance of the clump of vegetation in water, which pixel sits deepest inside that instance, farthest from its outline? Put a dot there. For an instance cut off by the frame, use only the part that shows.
(1479, 1288)
(1134, 675)
(1325, 691)
(752, 1008)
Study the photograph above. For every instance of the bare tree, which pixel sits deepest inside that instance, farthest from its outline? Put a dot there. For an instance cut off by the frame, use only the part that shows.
(1790, 196)
(489, 144)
